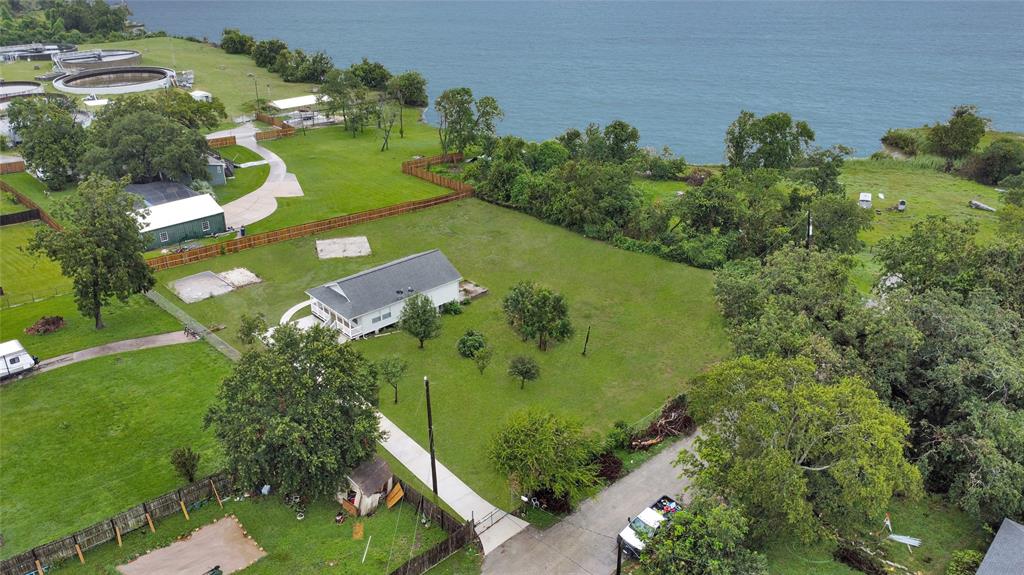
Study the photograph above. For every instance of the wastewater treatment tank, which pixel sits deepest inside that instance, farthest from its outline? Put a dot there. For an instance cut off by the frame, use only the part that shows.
(121, 80)
(95, 59)
(9, 90)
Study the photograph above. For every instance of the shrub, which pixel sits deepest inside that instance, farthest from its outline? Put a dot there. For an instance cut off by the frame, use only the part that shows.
(471, 343)
(620, 435)
(964, 562)
(1002, 159)
(609, 466)
(482, 358)
(697, 176)
(903, 140)
(524, 369)
(186, 463)
(1010, 182)
(451, 308)
(45, 325)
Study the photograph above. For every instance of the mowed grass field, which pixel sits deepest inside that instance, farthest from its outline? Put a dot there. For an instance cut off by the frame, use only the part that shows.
(654, 324)
(35, 190)
(340, 174)
(246, 179)
(24, 274)
(88, 440)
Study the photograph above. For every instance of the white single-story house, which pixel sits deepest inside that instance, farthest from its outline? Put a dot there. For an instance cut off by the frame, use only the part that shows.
(368, 486)
(1005, 556)
(372, 300)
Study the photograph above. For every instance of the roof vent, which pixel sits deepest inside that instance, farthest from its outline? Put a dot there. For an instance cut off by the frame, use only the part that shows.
(398, 291)
(410, 290)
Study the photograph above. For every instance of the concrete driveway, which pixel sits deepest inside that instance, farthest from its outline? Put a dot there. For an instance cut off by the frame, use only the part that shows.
(584, 542)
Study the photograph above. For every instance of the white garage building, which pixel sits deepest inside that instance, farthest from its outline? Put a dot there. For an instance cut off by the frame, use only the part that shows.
(372, 300)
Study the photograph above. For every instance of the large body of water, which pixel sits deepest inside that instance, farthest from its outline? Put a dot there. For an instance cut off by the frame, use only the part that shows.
(679, 71)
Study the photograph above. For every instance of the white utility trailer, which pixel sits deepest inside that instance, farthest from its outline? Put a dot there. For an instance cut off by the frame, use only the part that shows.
(14, 359)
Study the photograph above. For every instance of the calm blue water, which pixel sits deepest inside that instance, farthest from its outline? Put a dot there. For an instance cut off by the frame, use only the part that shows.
(680, 71)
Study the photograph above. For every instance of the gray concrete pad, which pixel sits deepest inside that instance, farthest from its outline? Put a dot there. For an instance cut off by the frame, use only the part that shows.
(353, 247)
(223, 543)
(200, 286)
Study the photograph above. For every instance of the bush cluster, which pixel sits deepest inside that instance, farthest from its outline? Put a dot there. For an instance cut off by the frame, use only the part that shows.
(471, 343)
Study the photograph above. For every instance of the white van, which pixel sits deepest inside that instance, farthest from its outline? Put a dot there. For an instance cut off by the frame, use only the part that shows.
(865, 200)
(14, 359)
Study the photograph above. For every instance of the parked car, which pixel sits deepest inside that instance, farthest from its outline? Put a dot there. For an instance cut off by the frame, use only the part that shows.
(14, 359)
(643, 526)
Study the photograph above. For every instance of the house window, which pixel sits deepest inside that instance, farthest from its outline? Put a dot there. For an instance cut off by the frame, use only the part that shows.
(14, 360)
(385, 315)
(164, 237)
(206, 225)
(375, 320)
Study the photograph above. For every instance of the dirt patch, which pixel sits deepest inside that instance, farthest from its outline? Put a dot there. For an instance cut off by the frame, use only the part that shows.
(353, 247)
(239, 277)
(223, 543)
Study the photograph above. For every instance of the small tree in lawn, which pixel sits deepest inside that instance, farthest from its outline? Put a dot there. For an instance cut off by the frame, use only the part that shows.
(957, 138)
(536, 312)
(186, 463)
(298, 414)
(420, 318)
(523, 368)
(100, 247)
(251, 328)
(541, 451)
(482, 358)
(390, 370)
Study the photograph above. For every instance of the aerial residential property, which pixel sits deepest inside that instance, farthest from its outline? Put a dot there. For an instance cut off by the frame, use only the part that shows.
(511, 288)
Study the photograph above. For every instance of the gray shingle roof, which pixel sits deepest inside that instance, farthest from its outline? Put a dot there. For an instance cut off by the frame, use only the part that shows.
(156, 193)
(386, 284)
(1005, 555)
(371, 476)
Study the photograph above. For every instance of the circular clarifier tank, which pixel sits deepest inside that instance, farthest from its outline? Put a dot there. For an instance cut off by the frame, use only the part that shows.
(116, 80)
(13, 89)
(95, 59)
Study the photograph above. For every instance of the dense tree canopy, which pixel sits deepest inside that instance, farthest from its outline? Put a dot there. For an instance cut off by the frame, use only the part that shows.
(536, 312)
(51, 140)
(176, 105)
(542, 451)
(100, 247)
(265, 52)
(72, 21)
(800, 455)
(771, 141)
(144, 146)
(373, 75)
(234, 42)
(343, 93)
(464, 121)
(410, 88)
(298, 414)
(958, 137)
(705, 537)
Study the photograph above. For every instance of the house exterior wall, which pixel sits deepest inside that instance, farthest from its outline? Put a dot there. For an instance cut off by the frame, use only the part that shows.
(186, 231)
(216, 174)
(385, 316)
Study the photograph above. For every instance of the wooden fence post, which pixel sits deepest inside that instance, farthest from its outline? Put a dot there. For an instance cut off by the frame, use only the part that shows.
(215, 494)
(117, 531)
(182, 503)
(149, 518)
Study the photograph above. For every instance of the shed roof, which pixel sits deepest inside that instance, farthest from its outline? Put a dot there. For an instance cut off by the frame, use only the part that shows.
(181, 211)
(386, 284)
(156, 193)
(1005, 555)
(371, 476)
(296, 102)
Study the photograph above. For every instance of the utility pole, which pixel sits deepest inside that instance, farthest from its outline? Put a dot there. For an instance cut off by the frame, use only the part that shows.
(618, 557)
(810, 230)
(430, 432)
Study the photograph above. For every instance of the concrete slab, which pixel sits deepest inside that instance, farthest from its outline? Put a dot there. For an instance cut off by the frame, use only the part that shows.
(353, 247)
(239, 277)
(200, 286)
(222, 543)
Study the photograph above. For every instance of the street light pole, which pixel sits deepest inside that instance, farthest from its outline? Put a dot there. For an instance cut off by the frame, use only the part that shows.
(430, 432)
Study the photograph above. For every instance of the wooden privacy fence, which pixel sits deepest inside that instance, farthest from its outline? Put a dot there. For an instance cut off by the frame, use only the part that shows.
(221, 142)
(460, 534)
(420, 168)
(19, 217)
(283, 129)
(293, 232)
(113, 529)
(13, 166)
(23, 200)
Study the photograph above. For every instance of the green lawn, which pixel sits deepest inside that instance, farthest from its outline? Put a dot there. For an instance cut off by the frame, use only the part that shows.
(340, 174)
(654, 324)
(664, 190)
(88, 440)
(35, 190)
(941, 527)
(137, 318)
(10, 204)
(24, 275)
(246, 179)
(314, 545)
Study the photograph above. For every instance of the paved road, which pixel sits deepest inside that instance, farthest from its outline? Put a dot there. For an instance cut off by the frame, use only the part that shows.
(584, 542)
(451, 489)
(262, 201)
(172, 338)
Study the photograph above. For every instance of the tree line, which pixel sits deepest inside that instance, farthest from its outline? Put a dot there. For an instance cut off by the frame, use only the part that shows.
(63, 21)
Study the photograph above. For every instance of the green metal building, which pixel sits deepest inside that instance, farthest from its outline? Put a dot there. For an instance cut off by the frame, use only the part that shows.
(180, 220)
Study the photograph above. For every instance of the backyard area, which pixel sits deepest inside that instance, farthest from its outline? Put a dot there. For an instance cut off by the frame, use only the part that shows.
(314, 545)
(85, 441)
(340, 174)
(654, 324)
(24, 275)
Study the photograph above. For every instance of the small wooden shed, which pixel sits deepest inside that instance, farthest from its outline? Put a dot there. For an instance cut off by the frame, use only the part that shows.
(368, 486)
